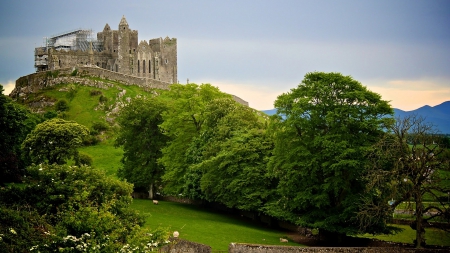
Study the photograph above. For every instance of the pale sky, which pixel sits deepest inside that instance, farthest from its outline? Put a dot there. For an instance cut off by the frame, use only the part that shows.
(258, 50)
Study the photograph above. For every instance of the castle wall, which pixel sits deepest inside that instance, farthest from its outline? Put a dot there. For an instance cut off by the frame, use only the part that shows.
(121, 53)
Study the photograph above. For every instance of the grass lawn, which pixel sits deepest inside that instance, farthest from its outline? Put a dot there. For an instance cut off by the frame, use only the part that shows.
(432, 236)
(198, 225)
(105, 157)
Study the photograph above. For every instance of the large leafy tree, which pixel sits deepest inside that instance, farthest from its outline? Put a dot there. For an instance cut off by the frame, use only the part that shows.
(323, 131)
(410, 164)
(142, 141)
(230, 156)
(15, 123)
(183, 121)
(54, 141)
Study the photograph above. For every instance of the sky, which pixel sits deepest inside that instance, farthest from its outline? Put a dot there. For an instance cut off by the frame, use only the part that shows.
(258, 50)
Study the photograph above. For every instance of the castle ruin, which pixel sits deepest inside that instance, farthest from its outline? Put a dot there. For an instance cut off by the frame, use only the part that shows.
(114, 50)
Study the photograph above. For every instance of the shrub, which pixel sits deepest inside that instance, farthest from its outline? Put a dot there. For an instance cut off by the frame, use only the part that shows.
(96, 92)
(102, 99)
(74, 72)
(62, 105)
(83, 159)
(100, 126)
(50, 114)
(62, 208)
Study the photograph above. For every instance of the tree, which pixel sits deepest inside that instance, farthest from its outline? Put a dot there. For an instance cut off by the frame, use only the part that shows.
(323, 130)
(15, 123)
(229, 157)
(142, 141)
(54, 141)
(183, 121)
(410, 163)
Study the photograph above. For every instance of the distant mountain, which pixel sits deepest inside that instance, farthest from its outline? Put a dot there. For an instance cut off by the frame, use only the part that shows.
(270, 112)
(438, 115)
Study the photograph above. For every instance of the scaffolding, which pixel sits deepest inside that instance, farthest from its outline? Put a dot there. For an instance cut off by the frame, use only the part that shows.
(77, 39)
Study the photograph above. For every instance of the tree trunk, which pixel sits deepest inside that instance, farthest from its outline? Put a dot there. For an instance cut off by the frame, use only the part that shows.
(150, 191)
(420, 231)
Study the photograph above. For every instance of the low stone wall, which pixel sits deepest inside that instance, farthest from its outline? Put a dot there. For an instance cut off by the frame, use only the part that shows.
(182, 246)
(32, 83)
(37, 81)
(258, 248)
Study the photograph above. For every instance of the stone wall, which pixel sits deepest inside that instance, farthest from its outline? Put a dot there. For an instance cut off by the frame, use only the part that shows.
(37, 81)
(182, 246)
(258, 248)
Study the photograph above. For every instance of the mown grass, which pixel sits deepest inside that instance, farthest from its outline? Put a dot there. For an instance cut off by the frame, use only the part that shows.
(432, 236)
(202, 226)
(105, 157)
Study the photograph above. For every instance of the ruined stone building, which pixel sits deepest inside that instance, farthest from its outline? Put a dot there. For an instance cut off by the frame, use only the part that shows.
(115, 50)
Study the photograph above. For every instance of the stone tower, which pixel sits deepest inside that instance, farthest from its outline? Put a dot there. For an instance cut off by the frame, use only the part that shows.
(123, 62)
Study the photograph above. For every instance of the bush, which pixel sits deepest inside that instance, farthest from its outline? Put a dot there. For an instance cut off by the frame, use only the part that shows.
(102, 99)
(62, 208)
(91, 140)
(62, 105)
(96, 93)
(74, 72)
(83, 159)
(50, 114)
(100, 126)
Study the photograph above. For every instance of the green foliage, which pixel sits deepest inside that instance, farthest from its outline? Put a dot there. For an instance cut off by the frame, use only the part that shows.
(142, 141)
(83, 159)
(50, 114)
(102, 99)
(100, 126)
(67, 206)
(183, 122)
(72, 91)
(96, 92)
(54, 141)
(15, 123)
(74, 72)
(229, 158)
(62, 105)
(323, 130)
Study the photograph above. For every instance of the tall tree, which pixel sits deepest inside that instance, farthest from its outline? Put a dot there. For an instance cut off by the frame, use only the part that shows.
(410, 164)
(54, 141)
(323, 131)
(142, 141)
(183, 121)
(230, 156)
(15, 123)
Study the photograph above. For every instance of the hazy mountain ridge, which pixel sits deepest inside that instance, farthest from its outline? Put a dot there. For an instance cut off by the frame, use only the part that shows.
(438, 115)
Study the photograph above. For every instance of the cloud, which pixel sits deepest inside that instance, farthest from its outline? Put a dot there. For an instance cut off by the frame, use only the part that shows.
(8, 87)
(412, 94)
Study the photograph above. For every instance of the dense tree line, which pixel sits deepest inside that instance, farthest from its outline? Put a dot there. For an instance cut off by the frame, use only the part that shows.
(312, 164)
(333, 158)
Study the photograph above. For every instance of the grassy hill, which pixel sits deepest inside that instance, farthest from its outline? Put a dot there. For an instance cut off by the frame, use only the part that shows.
(89, 106)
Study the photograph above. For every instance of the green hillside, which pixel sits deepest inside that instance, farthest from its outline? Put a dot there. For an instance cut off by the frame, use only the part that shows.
(89, 106)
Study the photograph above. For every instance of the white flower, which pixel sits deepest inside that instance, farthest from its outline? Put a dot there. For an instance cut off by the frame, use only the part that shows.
(12, 231)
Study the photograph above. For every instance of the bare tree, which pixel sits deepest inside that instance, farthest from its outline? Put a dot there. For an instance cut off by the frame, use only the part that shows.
(406, 165)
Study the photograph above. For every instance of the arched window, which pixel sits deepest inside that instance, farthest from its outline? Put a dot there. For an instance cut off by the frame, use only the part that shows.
(139, 69)
(143, 66)
(149, 66)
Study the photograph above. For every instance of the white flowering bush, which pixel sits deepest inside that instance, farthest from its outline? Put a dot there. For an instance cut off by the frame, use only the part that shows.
(62, 208)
